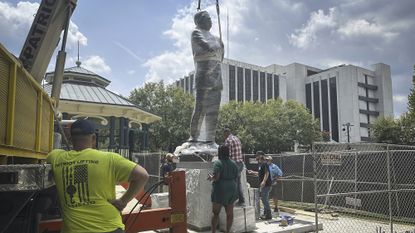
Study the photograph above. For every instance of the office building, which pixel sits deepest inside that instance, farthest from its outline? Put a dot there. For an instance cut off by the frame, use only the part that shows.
(346, 99)
(244, 82)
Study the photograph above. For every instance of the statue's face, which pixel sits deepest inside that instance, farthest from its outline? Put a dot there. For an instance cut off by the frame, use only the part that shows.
(205, 22)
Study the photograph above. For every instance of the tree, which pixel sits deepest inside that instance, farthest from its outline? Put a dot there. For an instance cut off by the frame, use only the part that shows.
(175, 108)
(407, 126)
(272, 127)
(411, 97)
(400, 131)
(386, 130)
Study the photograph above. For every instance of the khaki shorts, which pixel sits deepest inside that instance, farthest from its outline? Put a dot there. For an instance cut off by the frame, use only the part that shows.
(274, 190)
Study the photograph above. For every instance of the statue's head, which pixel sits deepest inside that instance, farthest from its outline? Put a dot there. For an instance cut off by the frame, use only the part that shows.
(202, 20)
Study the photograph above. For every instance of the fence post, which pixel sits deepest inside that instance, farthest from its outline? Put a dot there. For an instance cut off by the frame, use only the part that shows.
(313, 152)
(355, 179)
(389, 188)
(302, 181)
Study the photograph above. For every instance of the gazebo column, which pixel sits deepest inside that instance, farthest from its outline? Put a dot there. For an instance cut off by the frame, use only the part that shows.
(112, 128)
(122, 135)
(65, 116)
(127, 138)
(126, 134)
(145, 129)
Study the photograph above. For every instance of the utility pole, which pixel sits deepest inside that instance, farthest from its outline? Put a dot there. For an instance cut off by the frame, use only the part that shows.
(346, 127)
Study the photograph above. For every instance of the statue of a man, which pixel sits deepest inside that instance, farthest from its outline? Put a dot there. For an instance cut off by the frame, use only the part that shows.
(208, 55)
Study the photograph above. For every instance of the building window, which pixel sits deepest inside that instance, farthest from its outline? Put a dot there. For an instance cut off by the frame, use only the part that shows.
(308, 97)
(182, 83)
(255, 86)
(325, 105)
(262, 89)
(186, 83)
(248, 84)
(192, 77)
(316, 95)
(276, 86)
(269, 86)
(231, 83)
(333, 110)
(240, 84)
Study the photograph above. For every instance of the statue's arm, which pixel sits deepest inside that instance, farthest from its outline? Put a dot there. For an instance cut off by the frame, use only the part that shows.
(198, 38)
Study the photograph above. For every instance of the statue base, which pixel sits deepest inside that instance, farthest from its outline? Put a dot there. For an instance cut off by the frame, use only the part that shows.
(197, 151)
(198, 195)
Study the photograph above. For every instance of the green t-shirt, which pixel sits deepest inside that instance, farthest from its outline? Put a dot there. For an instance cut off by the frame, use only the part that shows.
(85, 181)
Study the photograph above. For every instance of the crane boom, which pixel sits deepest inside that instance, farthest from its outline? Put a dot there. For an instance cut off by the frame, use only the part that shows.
(44, 35)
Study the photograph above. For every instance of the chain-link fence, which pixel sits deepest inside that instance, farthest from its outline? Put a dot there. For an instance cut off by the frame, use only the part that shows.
(151, 162)
(297, 184)
(359, 187)
(364, 187)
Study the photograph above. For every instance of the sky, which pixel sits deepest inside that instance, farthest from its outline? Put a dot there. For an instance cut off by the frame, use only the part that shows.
(131, 42)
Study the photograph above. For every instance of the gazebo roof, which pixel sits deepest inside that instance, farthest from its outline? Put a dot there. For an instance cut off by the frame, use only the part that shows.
(83, 93)
(80, 75)
(89, 93)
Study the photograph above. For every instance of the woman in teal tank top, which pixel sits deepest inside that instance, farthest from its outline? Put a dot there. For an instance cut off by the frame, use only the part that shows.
(224, 189)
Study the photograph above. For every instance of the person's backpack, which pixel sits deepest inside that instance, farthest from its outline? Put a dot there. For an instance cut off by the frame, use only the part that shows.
(275, 171)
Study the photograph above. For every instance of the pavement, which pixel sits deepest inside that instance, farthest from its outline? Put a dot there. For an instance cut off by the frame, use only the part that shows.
(301, 224)
(304, 222)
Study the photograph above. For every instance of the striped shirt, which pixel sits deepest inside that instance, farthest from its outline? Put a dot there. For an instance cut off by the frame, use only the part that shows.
(235, 148)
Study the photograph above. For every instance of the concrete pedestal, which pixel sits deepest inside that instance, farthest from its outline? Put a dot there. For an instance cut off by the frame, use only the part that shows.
(198, 192)
(243, 219)
(159, 200)
(254, 198)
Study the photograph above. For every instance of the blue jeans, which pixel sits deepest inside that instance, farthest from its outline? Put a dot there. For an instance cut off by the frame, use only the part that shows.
(265, 200)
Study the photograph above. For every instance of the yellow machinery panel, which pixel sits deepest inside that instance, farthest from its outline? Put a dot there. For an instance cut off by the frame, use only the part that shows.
(26, 112)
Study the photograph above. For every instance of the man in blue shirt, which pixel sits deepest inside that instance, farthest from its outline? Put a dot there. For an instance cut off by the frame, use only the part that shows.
(276, 173)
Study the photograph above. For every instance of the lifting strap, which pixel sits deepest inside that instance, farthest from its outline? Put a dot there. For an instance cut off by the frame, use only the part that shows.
(218, 12)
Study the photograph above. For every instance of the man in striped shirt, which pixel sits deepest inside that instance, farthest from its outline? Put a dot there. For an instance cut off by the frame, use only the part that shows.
(235, 153)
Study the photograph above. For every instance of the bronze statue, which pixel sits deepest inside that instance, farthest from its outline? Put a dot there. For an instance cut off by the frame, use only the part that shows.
(208, 51)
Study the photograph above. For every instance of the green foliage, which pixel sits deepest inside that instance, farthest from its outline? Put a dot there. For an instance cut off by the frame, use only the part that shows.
(399, 131)
(407, 126)
(270, 127)
(175, 108)
(411, 97)
(386, 130)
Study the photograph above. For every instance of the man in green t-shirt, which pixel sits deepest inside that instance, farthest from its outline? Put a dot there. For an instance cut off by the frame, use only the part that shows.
(85, 180)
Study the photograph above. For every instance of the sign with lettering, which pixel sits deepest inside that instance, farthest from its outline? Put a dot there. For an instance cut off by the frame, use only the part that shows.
(37, 32)
(331, 159)
(353, 201)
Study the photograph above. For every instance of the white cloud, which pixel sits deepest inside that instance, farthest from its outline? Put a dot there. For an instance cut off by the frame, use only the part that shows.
(362, 27)
(304, 37)
(400, 98)
(131, 72)
(15, 22)
(169, 66)
(172, 65)
(75, 35)
(96, 64)
(331, 62)
(15, 19)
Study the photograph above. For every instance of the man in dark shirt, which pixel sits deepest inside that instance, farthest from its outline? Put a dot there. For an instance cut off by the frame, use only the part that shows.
(264, 178)
(166, 168)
